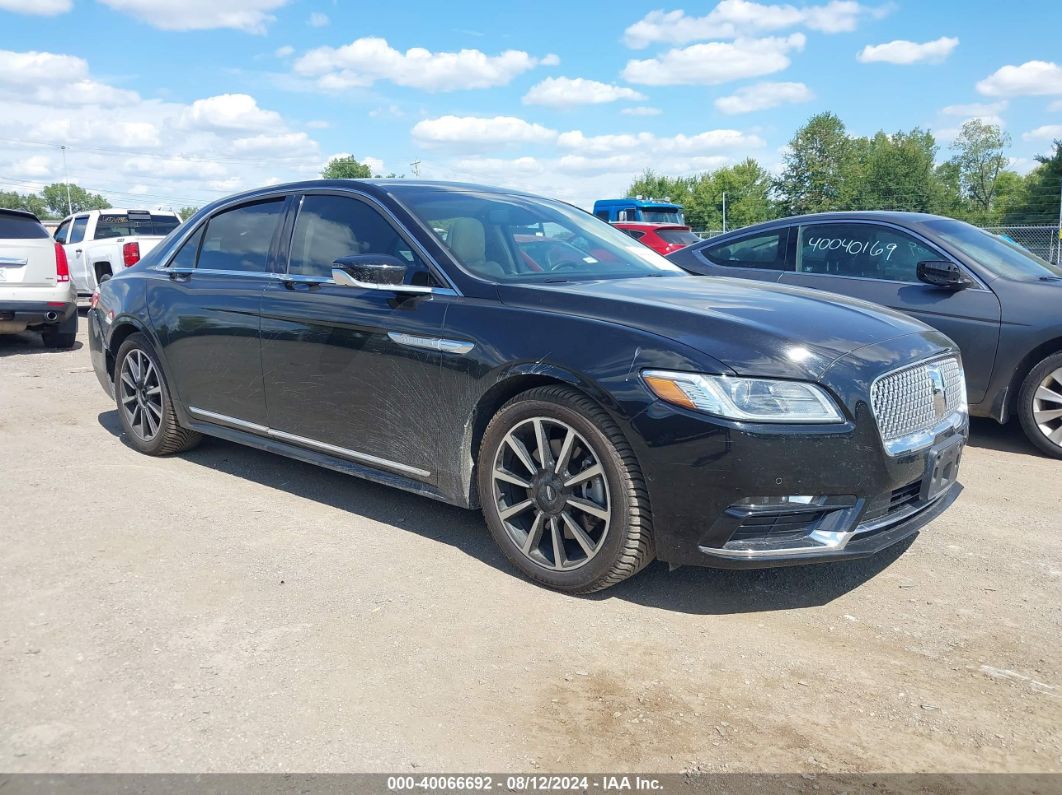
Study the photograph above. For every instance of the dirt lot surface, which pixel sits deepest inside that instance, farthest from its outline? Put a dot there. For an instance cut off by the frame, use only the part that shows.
(231, 610)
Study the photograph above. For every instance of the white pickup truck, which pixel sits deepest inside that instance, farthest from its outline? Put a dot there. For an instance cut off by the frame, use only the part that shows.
(99, 243)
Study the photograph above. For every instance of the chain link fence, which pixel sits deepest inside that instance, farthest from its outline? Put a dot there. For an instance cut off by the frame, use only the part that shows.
(1043, 241)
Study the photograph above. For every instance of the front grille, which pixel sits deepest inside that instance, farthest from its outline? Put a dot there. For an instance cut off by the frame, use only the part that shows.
(916, 398)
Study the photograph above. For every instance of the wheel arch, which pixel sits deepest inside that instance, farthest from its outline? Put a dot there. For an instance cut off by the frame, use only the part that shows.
(120, 331)
(1021, 371)
(513, 382)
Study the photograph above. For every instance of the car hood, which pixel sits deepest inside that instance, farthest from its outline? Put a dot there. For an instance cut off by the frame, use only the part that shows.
(753, 328)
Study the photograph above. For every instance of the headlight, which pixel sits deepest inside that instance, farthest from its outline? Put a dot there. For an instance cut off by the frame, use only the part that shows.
(749, 399)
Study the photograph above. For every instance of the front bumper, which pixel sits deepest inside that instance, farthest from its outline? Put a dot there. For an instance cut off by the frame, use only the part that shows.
(742, 495)
(101, 359)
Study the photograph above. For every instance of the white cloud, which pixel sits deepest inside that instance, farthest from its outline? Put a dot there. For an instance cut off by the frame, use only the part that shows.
(716, 62)
(284, 52)
(1047, 132)
(909, 52)
(762, 96)
(143, 150)
(32, 75)
(641, 110)
(476, 131)
(732, 19)
(709, 141)
(229, 112)
(367, 60)
(44, 8)
(1055, 106)
(1030, 79)
(318, 20)
(567, 92)
(250, 16)
(975, 109)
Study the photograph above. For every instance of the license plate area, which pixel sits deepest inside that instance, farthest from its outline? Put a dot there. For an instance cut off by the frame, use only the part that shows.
(942, 468)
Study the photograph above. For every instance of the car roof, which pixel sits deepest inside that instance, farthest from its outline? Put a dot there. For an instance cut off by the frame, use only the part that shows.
(20, 213)
(891, 216)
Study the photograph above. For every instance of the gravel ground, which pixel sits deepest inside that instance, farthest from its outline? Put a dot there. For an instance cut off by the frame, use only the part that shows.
(231, 610)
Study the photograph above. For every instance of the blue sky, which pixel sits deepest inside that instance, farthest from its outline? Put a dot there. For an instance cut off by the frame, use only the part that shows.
(174, 102)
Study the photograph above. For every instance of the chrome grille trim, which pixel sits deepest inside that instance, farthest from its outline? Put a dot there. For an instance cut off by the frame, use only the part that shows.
(906, 409)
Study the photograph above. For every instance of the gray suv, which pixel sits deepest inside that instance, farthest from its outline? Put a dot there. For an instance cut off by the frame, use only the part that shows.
(999, 302)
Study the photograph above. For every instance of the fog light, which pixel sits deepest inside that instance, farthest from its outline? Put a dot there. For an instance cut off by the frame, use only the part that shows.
(781, 500)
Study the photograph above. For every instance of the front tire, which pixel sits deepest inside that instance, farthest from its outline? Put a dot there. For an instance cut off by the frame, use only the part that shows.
(562, 492)
(1040, 405)
(145, 408)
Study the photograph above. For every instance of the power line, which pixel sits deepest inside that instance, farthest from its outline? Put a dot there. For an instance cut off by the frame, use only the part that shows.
(156, 155)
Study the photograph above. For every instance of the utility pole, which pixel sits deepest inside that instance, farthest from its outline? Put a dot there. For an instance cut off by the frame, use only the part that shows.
(66, 181)
(415, 165)
(724, 212)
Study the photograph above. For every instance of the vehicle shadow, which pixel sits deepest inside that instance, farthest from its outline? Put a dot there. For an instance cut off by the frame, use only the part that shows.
(990, 435)
(28, 342)
(689, 590)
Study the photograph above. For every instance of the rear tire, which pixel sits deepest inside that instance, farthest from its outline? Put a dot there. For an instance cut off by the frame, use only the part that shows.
(145, 408)
(1040, 405)
(586, 523)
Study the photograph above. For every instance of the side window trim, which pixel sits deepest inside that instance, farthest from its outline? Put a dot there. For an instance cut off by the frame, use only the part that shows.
(795, 235)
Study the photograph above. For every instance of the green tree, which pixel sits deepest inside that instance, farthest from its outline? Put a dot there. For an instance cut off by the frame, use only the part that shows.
(24, 201)
(817, 168)
(979, 155)
(1042, 191)
(346, 168)
(55, 198)
(187, 212)
(895, 172)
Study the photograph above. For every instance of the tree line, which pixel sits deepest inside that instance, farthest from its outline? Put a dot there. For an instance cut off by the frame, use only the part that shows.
(825, 169)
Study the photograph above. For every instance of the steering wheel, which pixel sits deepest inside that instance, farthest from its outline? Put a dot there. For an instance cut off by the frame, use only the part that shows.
(566, 265)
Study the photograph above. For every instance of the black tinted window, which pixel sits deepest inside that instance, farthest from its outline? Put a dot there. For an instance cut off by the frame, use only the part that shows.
(77, 231)
(637, 234)
(680, 236)
(238, 240)
(865, 251)
(62, 230)
(330, 227)
(763, 250)
(185, 256)
(20, 227)
(122, 225)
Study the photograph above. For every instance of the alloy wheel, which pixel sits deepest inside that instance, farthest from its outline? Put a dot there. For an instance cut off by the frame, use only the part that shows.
(141, 394)
(551, 493)
(1047, 407)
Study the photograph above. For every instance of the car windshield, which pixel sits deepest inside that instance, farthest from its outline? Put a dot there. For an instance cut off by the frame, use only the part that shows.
(662, 215)
(523, 239)
(681, 236)
(997, 255)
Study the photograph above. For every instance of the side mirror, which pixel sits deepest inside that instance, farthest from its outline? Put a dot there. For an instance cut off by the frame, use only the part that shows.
(942, 273)
(372, 271)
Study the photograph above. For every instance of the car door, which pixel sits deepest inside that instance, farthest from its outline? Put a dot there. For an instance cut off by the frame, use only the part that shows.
(760, 255)
(352, 371)
(204, 305)
(879, 263)
(75, 254)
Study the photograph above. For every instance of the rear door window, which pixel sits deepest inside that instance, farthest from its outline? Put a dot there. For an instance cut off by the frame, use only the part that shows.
(680, 236)
(862, 251)
(20, 227)
(77, 230)
(62, 231)
(238, 240)
(761, 250)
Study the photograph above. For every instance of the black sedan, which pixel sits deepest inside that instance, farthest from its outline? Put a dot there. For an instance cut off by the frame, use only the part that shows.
(999, 302)
(494, 349)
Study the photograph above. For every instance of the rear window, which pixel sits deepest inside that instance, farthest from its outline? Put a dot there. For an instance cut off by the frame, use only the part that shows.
(20, 227)
(133, 223)
(681, 236)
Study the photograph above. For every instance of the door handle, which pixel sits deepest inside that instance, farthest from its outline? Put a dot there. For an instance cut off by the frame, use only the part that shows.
(77, 251)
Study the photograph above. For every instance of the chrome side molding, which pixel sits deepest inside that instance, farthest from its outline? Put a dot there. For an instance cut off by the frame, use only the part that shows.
(431, 343)
(303, 441)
